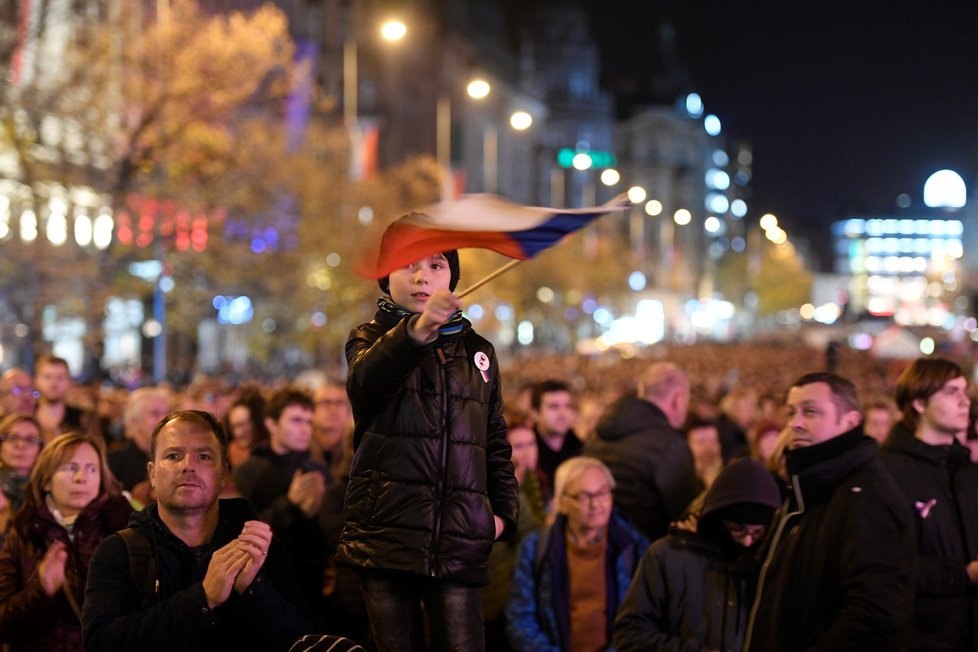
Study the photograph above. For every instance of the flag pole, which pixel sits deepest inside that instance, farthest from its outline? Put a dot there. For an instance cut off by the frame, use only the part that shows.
(478, 284)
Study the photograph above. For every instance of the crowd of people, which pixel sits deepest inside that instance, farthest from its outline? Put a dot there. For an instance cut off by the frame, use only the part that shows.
(700, 498)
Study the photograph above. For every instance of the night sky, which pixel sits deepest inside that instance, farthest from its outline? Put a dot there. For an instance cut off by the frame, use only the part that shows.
(847, 104)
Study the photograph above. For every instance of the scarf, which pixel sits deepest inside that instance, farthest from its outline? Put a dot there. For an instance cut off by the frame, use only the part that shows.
(67, 522)
(453, 326)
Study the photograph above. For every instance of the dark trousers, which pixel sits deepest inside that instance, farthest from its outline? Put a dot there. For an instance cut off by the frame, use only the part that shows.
(394, 604)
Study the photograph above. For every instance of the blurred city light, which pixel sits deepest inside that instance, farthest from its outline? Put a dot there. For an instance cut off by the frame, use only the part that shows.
(28, 226)
(524, 333)
(365, 215)
(945, 189)
(807, 311)
(720, 158)
(682, 217)
(393, 30)
(768, 221)
(478, 89)
(610, 177)
(712, 224)
(545, 294)
(738, 208)
(717, 179)
(636, 194)
(653, 207)
(520, 120)
(717, 203)
(636, 281)
(927, 345)
(694, 105)
(581, 161)
(711, 124)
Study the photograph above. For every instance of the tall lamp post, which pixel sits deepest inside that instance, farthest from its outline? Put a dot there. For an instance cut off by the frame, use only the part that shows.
(390, 31)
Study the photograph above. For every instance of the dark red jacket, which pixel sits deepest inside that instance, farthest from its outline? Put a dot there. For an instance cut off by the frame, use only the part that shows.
(29, 618)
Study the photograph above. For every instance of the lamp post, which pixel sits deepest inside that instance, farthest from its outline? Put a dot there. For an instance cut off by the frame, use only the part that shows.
(390, 31)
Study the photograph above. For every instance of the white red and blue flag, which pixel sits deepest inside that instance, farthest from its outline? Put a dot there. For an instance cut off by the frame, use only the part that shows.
(481, 221)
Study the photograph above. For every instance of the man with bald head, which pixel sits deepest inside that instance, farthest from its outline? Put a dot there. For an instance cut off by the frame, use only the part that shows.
(144, 409)
(639, 439)
(17, 393)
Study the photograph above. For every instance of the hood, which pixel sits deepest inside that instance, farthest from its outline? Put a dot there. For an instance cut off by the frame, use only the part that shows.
(629, 415)
(742, 481)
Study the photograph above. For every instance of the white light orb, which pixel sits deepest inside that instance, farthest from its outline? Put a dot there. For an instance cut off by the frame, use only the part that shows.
(945, 189)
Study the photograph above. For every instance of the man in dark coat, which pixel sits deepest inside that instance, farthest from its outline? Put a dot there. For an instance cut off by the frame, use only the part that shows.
(639, 439)
(837, 573)
(940, 483)
(211, 576)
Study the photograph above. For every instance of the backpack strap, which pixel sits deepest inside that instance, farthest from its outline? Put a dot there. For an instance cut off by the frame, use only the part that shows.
(142, 566)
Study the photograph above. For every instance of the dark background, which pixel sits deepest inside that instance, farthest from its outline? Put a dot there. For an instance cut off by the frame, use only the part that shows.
(847, 104)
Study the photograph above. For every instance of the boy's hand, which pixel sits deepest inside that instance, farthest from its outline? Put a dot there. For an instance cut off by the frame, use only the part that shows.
(437, 310)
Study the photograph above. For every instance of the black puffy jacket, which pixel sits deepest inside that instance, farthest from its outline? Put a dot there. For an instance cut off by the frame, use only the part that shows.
(432, 463)
(654, 475)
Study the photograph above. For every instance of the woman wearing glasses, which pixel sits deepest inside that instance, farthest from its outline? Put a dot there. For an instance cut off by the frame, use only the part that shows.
(20, 442)
(72, 502)
(572, 575)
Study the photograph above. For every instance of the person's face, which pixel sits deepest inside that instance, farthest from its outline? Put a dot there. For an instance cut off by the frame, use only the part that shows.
(524, 443)
(187, 471)
(76, 481)
(556, 414)
(704, 443)
(946, 411)
(52, 381)
(745, 534)
(242, 430)
(413, 285)
(766, 444)
(877, 423)
(813, 416)
(587, 501)
(293, 430)
(18, 394)
(22, 445)
(144, 420)
(331, 416)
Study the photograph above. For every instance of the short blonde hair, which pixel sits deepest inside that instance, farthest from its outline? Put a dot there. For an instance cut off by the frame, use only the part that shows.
(573, 469)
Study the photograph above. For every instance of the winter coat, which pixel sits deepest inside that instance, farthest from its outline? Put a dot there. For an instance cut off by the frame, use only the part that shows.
(838, 569)
(119, 615)
(693, 590)
(654, 474)
(29, 618)
(941, 484)
(538, 614)
(432, 464)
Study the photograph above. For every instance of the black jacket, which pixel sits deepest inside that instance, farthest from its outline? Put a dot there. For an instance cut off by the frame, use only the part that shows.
(654, 475)
(268, 616)
(432, 463)
(693, 590)
(941, 484)
(838, 569)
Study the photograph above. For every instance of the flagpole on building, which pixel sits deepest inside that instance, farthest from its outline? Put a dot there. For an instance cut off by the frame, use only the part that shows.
(478, 284)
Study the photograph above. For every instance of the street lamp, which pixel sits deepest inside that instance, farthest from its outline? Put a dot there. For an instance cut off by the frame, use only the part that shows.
(390, 31)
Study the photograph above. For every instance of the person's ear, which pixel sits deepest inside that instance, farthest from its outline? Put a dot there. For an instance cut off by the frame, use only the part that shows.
(919, 405)
(151, 473)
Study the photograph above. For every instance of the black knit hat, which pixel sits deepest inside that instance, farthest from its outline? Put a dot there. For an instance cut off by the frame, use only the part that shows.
(451, 256)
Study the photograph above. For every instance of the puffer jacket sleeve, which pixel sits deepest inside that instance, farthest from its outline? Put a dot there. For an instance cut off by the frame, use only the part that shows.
(379, 363)
(642, 622)
(24, 606)
(502, 487)
(523, 626)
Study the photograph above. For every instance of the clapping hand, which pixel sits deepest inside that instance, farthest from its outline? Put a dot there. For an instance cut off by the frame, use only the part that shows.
(255, 540)
(51, 570)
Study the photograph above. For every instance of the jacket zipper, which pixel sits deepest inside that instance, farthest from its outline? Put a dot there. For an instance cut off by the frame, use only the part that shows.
(770, 555)
(432, 571)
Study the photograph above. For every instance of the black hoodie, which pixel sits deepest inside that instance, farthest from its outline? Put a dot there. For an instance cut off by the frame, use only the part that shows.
(654, 474)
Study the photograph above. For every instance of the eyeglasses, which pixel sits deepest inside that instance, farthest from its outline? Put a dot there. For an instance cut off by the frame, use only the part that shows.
(588, 499)
(17, 391)
(20, 439)
(741, 530)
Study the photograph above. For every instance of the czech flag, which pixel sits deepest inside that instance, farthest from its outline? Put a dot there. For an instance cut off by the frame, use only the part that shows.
(482, 221)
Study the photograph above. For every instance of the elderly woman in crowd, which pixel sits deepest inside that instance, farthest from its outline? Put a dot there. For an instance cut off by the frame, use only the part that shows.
(72, 502)
(20, 442)
(572, 575)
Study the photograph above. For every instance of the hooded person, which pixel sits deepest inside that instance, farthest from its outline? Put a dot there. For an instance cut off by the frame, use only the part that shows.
(432, 485)
(694, 590)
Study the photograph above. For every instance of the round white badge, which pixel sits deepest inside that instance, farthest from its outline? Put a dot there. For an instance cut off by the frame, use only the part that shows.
(482, 361)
